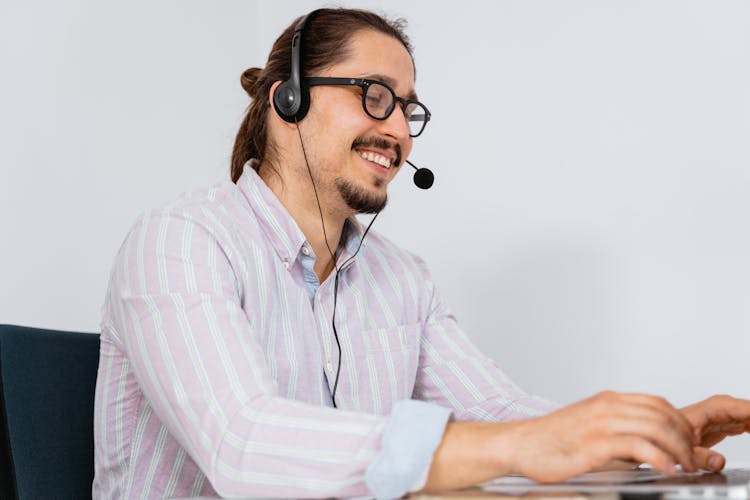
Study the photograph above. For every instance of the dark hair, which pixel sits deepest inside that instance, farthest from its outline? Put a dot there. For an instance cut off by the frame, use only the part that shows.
(325, 42)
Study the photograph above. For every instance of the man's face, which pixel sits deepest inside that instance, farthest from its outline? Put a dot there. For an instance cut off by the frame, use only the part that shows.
(346, 148)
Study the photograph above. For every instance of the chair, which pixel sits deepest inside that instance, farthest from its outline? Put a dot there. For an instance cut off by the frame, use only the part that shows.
(47, 381)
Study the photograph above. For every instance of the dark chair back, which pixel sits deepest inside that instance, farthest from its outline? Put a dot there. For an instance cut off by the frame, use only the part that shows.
(47, 381)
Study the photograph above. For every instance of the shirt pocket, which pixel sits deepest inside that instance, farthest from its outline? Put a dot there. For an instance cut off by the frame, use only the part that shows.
(396, 338)
(387, 367)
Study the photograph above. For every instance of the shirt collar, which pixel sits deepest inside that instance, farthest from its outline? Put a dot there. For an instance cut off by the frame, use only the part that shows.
(279, 227)
(351, 236)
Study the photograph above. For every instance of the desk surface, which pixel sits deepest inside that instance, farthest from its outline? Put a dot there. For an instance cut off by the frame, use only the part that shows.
(477, 492)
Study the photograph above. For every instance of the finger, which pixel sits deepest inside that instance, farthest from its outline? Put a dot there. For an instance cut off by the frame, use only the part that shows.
(646, 417)
(718, 409)
(727, 408)
(676, 416)
(708, 459)
(655, 419)
(634, 448)
(616, 464)
(663, 417)
(655, 428)
(729, 429)
(716, 433)
(644, 406)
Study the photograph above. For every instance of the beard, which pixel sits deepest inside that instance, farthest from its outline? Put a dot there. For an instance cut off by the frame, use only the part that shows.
(359, 200)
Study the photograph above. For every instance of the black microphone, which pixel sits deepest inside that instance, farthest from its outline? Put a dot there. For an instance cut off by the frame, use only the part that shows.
(423, 177)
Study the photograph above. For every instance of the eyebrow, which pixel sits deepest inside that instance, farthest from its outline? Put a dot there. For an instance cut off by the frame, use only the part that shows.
(411, 96)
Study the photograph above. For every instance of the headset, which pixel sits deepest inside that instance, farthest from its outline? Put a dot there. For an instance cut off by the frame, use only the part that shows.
(290, 99)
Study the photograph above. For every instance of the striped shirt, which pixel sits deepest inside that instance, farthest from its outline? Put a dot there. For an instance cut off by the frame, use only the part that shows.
(217, 360)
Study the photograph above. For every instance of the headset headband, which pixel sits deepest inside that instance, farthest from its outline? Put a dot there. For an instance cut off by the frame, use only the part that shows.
(291, 100)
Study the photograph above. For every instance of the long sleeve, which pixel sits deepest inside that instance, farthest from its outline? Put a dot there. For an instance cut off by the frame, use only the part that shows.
(176, 312)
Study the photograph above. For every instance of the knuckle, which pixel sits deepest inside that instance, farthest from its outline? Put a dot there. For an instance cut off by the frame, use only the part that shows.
(605, 396)
(662, 401)
(719, 398)
(601, 402)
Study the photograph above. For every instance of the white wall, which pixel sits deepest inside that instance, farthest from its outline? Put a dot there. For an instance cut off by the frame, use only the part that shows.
(589, 218)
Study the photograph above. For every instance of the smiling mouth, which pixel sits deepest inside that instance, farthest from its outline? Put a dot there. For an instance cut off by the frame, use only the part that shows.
(375, 146)
(375, 158)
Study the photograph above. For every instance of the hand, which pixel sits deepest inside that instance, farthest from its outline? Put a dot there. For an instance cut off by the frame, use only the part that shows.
(606, 427)
(712, 420)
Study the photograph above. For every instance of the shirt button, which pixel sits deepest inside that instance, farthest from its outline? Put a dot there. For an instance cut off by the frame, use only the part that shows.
(329, 366)
(286, 263)
(305, 250)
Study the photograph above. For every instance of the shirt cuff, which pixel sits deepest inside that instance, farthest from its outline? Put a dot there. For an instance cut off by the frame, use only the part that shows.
(410, 438)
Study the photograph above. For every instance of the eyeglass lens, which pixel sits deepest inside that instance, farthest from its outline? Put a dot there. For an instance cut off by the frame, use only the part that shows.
(380, 101)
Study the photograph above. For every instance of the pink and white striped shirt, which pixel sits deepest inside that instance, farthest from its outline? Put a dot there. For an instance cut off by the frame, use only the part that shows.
(216, 367)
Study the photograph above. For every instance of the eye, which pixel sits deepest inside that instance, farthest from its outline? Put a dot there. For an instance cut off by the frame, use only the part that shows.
(409, 110)
(378, 98)
(374, 99)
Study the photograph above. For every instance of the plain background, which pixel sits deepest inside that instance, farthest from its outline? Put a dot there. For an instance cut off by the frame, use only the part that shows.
(588, 222)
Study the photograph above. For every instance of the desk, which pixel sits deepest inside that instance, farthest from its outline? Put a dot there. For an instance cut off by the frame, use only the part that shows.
(607, 490)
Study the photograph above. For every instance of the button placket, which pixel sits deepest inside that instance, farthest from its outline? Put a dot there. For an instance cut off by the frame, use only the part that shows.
(323, 317)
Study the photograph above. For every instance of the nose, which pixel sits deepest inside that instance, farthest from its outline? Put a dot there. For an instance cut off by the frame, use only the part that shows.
(396, 125)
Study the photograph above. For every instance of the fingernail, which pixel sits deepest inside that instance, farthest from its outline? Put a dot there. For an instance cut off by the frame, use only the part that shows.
(714, 463)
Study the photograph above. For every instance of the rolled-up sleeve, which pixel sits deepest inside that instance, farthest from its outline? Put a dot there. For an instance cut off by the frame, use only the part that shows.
(411, 437)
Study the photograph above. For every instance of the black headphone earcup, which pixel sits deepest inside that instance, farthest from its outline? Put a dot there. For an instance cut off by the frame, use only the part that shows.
(290, 102)
(286, 101)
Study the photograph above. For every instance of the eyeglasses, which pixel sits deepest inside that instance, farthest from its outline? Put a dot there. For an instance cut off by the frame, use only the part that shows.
(379, 101)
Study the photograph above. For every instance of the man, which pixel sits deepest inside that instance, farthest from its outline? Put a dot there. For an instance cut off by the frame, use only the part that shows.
(257, 341)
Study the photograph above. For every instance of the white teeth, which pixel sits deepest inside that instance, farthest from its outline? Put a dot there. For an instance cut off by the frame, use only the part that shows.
(375, 158)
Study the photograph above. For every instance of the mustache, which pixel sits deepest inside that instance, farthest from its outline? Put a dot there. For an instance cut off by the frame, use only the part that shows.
(380, 143)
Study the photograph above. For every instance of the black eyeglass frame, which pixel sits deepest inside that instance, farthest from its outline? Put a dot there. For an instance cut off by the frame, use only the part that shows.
(364, 84)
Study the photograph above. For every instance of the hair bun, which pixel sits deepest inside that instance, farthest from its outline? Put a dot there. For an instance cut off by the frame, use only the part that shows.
(248, 80)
